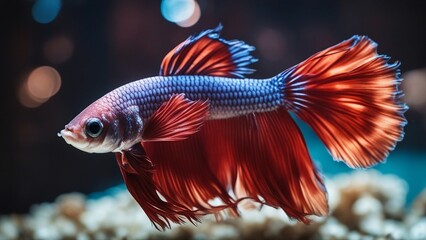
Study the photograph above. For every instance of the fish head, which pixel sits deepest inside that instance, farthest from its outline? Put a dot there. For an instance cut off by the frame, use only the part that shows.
(93, 129)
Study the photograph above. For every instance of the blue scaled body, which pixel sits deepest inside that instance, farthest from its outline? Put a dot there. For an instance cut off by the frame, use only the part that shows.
(228, 97)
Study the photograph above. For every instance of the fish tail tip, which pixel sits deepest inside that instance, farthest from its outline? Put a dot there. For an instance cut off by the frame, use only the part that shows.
(349, 94)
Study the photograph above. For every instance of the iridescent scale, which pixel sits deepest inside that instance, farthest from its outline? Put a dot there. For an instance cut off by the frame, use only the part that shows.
(228, 97)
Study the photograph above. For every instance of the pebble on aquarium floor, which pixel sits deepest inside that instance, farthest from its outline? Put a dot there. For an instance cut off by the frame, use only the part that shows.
(371, 210)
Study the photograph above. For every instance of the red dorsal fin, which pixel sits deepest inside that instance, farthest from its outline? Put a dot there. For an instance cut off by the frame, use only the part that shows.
(207, 54)
(176, 119)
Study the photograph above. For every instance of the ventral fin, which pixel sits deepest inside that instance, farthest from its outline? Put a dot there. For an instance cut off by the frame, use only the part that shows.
(137, 170)
(134, 160)
(208, 54)
(176, 119)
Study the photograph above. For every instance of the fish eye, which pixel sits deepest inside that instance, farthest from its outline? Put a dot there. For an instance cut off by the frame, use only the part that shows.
(94, 127)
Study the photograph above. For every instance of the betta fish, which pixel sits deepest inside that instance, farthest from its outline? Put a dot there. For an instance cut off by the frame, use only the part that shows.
(201, 130)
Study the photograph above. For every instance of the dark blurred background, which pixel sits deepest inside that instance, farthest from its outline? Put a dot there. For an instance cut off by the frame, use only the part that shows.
(91, 47)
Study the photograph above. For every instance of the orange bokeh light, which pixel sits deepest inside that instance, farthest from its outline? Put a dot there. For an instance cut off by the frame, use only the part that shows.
(41, 84)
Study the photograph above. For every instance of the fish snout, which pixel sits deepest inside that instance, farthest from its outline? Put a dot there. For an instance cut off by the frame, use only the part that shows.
(75, 137)
(64, 131)
(68, 133)
(72, 137)
(69, 128)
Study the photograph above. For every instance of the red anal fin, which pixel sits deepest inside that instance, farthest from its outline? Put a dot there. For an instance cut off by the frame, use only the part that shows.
(183, 172)
(137, 171)
(176, 119)
(274, 163)
(349, 95)
(207, 54)
(264, 155)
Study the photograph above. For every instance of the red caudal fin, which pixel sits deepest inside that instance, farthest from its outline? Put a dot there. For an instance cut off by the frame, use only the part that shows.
(262, 157)
(176, 119)
(349, 95)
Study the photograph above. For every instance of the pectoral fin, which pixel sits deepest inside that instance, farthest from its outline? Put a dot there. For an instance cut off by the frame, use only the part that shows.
(176, 119)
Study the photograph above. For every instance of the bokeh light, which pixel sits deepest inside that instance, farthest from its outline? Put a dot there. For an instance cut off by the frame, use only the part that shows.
(193, 19)
(25, 99)
(41, 84)
(58, 49)
(271, 44)
(178, 11)
(414, 85)
(45, 11)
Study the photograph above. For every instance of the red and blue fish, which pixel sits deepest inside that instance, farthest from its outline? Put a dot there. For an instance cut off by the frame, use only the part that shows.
(202, 130)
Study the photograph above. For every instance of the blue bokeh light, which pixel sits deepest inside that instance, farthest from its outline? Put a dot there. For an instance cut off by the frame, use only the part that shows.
(45, 11)
(177, 10)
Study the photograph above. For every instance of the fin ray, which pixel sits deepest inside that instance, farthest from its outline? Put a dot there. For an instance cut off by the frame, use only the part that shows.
(276, 166)
(175, 120)
(349, 95)
(140, 183)
(208, 54)
(257, 155)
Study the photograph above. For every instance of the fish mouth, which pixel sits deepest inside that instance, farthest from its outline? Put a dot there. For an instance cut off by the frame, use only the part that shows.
(73, 139)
